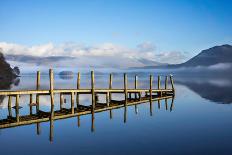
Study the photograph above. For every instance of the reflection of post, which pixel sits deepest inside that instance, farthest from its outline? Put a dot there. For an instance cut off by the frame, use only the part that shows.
(93, 93)
(78, 87)
(72, 102)
(92, 123)
(51, 86)
(37, 88)
(151, 80)
(30, 105)
(125, 88)
(111, 114)
(9, 106)
(110, 87)
(17, 107)
(172, 104)
(136, 109)
(125, 114)
(151, 108)
(159, 104)
(166, 104)
(51, 135)
(78, 121)
(38, 129)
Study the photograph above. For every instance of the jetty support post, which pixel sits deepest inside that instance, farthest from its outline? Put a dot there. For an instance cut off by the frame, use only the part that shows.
(110, 86)
(51, 76)
(160, 94)
(78, 87)
(30, 104)
(136, 85)
(151, 81)
(166, 82)
(17, 107)
(9, 105)
(172, 83)
(37, 88)
(92, 90)
(72, 102)
(125, 88)
(61, 101)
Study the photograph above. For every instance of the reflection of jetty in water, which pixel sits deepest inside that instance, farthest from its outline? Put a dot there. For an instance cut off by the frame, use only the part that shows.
(64, 113)
(131, 97)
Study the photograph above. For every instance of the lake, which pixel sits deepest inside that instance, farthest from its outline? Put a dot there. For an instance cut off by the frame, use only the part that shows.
(198, 122)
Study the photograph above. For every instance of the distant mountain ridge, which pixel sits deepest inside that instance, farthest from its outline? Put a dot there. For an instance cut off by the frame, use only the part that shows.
(48, 60)
(211, 56)
(208, 57)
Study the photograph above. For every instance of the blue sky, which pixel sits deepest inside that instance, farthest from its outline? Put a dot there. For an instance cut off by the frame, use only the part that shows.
(171, 25)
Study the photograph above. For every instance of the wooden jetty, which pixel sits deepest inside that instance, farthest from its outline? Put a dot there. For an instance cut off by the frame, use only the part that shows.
(132, 97)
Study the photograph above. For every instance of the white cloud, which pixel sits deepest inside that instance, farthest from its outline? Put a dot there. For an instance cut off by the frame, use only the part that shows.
(107, 53)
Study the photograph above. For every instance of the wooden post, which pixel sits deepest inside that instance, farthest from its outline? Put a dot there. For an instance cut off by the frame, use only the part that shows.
(30, 104)
(51, 86)
(17, 107)
(37, 88)
(158, 81)
(136, 85)
(107, 99)
(9, 105)
(110, 87)
(125, 88)
(78, 87)
(166, 82)
(72, 102)
(31, 98)
(61, 101)
(151, 81)
(93, 93)
(172, 83)
(160, 93)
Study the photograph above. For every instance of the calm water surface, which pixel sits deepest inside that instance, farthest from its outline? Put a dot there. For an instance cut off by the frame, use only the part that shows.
(199, 123)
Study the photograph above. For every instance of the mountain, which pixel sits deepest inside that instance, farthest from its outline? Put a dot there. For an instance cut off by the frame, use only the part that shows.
(211, 56)
(83, 61)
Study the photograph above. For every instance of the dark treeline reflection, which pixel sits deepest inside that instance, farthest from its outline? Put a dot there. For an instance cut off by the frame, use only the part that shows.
(216, 89)
(168, 106)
